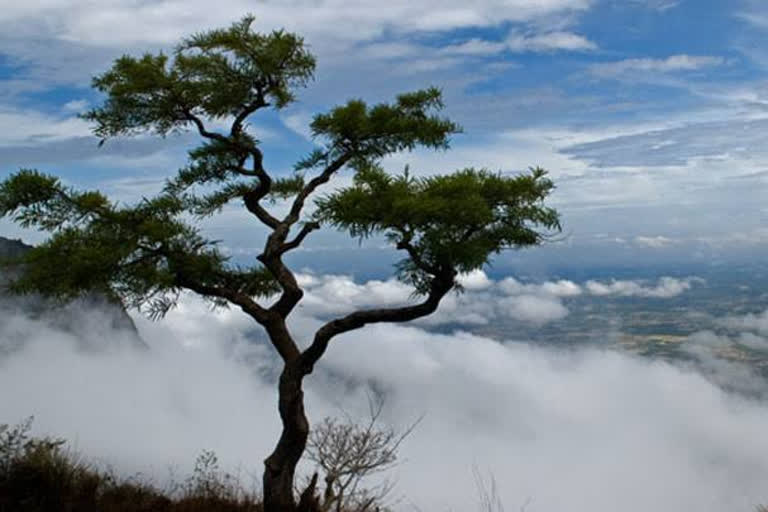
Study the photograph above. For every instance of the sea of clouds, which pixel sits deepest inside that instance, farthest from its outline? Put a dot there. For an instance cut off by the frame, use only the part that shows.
(579, 430)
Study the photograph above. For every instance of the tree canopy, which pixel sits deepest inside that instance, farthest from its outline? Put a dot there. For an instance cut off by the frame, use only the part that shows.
(443, 223)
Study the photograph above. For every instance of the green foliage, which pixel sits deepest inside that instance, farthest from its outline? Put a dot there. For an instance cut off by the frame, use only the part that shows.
(370, 133)
(214, 162)
(277, 62)
(212, 74)
(454, 221)
(284, 188)
(142, 253)
(34, 199)
(147, 253)
(212, 202)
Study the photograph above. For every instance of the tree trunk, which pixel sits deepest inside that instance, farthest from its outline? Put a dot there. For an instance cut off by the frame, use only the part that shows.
(280, 467)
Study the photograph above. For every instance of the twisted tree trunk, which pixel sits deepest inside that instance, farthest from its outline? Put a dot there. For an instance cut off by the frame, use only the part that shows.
(280, 466)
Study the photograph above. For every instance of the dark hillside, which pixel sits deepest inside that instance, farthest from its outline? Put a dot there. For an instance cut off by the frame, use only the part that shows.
(67, 317)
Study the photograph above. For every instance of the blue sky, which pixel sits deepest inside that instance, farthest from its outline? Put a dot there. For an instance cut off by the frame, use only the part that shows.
(650, 114)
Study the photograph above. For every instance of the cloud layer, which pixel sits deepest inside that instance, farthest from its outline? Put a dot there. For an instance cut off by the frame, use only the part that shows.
(118, 23)
(667, 287)
(578, 430)
(482, 301)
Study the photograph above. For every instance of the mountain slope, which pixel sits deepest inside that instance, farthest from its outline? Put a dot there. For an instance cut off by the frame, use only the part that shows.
(94, 312)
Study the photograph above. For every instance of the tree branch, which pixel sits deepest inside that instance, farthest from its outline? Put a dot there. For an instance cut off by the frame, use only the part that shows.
(306, 229)
(441, 285)
(247, 304)
(292, 293)
(248, 109)
(201, 127)
(253, 205)
(274, 325)
(317, 181)
(252, 200)
(276, 244)
(406, 245)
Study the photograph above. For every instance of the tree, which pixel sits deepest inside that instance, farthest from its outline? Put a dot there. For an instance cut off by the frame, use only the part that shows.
(148, 253)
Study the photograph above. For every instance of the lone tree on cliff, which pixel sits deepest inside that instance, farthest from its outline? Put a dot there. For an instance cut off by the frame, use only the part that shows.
(148, 253)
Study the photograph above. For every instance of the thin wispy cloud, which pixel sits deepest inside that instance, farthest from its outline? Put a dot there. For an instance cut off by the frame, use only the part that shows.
(661, 5)
(653, 242)
(671, 64)
(549, 42)
(665, 288)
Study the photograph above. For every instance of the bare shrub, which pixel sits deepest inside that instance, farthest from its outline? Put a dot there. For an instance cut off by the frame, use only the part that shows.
(348, 452)
(488, 493)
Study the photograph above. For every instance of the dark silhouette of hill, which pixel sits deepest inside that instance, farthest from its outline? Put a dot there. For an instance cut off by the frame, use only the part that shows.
(71, 317)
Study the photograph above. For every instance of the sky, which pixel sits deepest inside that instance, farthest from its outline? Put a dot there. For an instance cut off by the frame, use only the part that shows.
(649, 114)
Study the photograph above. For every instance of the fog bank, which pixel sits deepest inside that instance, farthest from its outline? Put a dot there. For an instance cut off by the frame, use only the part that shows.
(581, 430)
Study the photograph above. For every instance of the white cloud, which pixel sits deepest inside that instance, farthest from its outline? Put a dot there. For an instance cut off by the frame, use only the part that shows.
(749, 322)
(659, 5)
(117, 23)
(536, 309)
(759, 20)
(674, 63)
(394, 50)
(561, 288)
(745, 238)
(666, 287)
(548, 42)
(573, 418)
(132, 407)
(475, 281)
(752, 341)
(536, 303)
(330, 294)
(76, 106)
(481, 302)
(29, 126)
(466, 309)
(714, 357)
(653, 242)
(299, 123)
(474, 47)
(754, 13)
